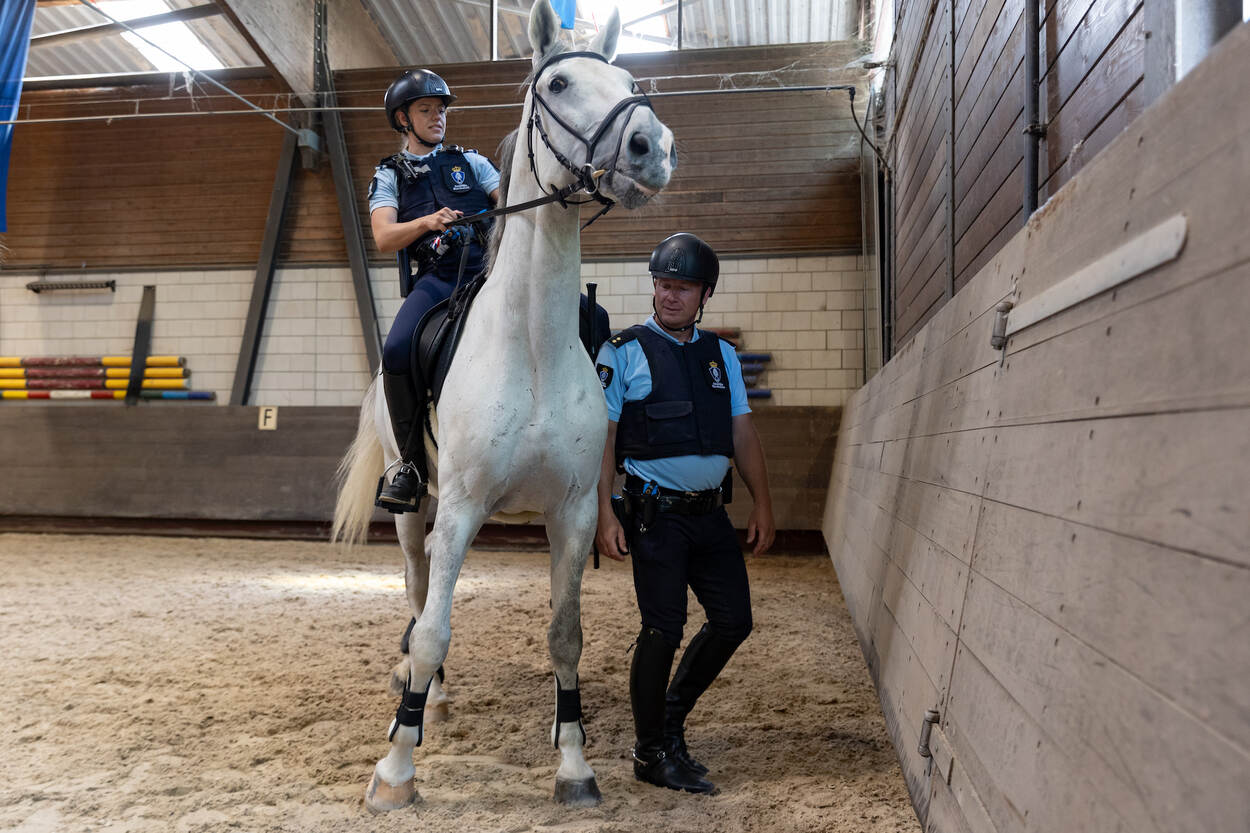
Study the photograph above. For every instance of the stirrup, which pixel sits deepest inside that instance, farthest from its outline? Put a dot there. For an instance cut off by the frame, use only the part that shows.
(402, 495)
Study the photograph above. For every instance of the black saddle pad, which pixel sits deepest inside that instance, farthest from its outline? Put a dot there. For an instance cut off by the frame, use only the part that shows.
(438, 336)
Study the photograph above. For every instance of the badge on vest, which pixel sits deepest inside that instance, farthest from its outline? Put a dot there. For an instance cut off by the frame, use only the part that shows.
(605, 375)
(716, 376)
(458, 179)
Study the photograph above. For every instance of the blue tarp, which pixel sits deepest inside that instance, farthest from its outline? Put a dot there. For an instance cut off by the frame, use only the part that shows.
(16, 18)
(567, 9)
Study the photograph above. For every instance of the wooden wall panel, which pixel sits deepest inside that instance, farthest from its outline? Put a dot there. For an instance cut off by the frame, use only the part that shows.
(140, 192)
(1076, 516)
(170, 461)
(757, 174)
(1092, 56)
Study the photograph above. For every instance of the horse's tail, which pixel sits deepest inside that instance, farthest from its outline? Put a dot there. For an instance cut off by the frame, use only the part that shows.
(357, 477)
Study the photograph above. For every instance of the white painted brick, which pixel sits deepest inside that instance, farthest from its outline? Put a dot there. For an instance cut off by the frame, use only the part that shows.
(827, 359)
(781, 302)
(752, 302)
(796, 320)
(810, 301)
(779, 341)
(781, 264)
(798, 397)
(762, 322)
(810, 340)
(826, 320)
(797, 282)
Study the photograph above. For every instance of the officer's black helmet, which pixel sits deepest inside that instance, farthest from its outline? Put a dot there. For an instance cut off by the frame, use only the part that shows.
(685, 256)
(414, 84)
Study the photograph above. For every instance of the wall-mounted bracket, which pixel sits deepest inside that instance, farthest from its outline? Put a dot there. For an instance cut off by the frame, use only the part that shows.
(926, 730)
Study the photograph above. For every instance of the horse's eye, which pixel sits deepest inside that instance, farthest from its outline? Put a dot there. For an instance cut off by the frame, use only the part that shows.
(557, 84)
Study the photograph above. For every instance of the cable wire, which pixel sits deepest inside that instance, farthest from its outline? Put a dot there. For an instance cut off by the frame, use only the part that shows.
(190, 68)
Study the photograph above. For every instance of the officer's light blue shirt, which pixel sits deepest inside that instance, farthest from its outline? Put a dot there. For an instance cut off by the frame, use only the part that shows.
(631, 381)
(384, 193)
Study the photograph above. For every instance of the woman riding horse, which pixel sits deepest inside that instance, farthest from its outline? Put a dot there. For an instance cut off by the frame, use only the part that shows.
(413, 196)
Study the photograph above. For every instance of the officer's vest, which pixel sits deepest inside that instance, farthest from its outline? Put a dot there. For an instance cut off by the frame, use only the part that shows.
(444, 179)
(687, 411)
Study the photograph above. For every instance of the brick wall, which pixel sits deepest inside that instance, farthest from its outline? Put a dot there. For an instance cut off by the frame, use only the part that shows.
(807, 312)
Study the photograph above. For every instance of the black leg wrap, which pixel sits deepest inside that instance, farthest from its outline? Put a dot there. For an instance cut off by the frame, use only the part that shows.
(568, 710)
(568, 705)
(411, 711)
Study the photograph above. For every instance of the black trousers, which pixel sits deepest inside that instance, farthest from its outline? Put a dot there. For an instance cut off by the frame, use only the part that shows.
(696, 551)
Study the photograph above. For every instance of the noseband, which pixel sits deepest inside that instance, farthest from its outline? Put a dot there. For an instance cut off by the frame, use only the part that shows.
(584, 173)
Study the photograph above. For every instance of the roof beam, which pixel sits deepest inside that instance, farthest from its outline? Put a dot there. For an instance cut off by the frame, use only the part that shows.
(105, 29)
(282, 31)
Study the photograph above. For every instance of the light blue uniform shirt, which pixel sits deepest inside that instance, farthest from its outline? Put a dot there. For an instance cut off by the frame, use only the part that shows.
(631, 381)
(383, 192)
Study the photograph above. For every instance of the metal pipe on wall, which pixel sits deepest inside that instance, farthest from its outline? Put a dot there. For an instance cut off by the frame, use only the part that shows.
(1033, 131)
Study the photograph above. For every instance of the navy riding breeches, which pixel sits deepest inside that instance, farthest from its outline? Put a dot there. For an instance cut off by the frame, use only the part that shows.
(428, 291)
(700, 551)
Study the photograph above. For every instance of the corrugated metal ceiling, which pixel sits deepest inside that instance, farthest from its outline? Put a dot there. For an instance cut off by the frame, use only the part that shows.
(426, 32)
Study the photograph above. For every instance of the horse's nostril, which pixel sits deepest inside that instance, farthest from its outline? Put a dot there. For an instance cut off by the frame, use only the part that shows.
(672, 157)
(639, 144)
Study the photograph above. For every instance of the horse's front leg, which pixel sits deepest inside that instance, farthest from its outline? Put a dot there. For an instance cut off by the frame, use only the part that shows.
(571, 531)
(393, 785)
(410, 527)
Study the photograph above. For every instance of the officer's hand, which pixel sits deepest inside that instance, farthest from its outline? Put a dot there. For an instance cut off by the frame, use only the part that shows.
(610, 537)
(760, 529)
(439, 219)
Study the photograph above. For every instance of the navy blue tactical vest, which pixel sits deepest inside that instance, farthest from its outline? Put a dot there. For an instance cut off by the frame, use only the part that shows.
(444, 179)
(687, 411)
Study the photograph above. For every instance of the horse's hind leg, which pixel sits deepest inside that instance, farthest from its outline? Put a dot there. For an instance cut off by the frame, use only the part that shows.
(571, 532)
(410, 527)
(392, 786)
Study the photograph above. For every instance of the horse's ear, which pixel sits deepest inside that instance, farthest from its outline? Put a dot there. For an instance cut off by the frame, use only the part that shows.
(605, 42)
(544, 29)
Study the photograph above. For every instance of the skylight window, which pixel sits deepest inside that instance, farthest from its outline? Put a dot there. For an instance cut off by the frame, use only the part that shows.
(650, 35)
(175, 38)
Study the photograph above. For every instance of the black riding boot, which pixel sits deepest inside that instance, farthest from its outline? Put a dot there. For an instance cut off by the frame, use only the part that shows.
(705, 656)
(648, 676)
(407, 410)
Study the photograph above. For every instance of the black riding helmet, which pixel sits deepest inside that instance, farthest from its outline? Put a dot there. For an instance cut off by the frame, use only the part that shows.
(407, 88)
(685, 256)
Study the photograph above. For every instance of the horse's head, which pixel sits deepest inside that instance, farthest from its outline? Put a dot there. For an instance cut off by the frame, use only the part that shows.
(584, 111)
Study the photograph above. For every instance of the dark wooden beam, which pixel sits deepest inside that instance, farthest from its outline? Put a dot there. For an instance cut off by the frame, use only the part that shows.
(265, 266)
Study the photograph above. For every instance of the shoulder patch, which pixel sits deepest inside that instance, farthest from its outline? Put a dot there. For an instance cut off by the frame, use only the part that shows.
(605, 375)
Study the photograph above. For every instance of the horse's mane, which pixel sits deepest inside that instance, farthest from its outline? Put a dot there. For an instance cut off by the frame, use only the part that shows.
(507, 149)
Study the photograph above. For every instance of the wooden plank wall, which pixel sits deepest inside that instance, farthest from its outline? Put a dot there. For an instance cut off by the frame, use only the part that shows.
(1054, 551)
(757, 173)
(960, 80)
(199, 462)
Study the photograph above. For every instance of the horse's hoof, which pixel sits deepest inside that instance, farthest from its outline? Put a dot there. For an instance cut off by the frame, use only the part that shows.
(578, 793)
(381, 797)
(437, 712)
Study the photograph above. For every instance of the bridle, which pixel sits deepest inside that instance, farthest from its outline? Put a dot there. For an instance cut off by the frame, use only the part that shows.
(583, 174)
(585, 177)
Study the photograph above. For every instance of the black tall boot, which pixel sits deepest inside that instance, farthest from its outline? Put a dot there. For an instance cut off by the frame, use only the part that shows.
(407, 410)
(648, 676)
(705, 656)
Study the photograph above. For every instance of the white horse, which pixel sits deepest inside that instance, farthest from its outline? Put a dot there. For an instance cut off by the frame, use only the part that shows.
(521, 421)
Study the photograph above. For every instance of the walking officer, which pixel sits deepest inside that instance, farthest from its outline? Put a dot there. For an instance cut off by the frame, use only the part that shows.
(678, 412)
(412, 197)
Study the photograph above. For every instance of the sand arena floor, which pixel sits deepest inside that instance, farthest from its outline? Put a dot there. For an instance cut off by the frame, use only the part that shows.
(200, 684)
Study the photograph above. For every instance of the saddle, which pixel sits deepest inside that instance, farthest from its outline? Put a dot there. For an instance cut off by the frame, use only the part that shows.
(438, 335)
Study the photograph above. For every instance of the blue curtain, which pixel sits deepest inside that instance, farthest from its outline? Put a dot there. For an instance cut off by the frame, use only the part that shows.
(567, 9)
(16, 18)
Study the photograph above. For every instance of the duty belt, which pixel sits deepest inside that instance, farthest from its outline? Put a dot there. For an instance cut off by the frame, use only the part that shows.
(673, 500)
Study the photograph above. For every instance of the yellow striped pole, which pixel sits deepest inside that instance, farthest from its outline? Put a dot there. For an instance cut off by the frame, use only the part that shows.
(93, 372)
